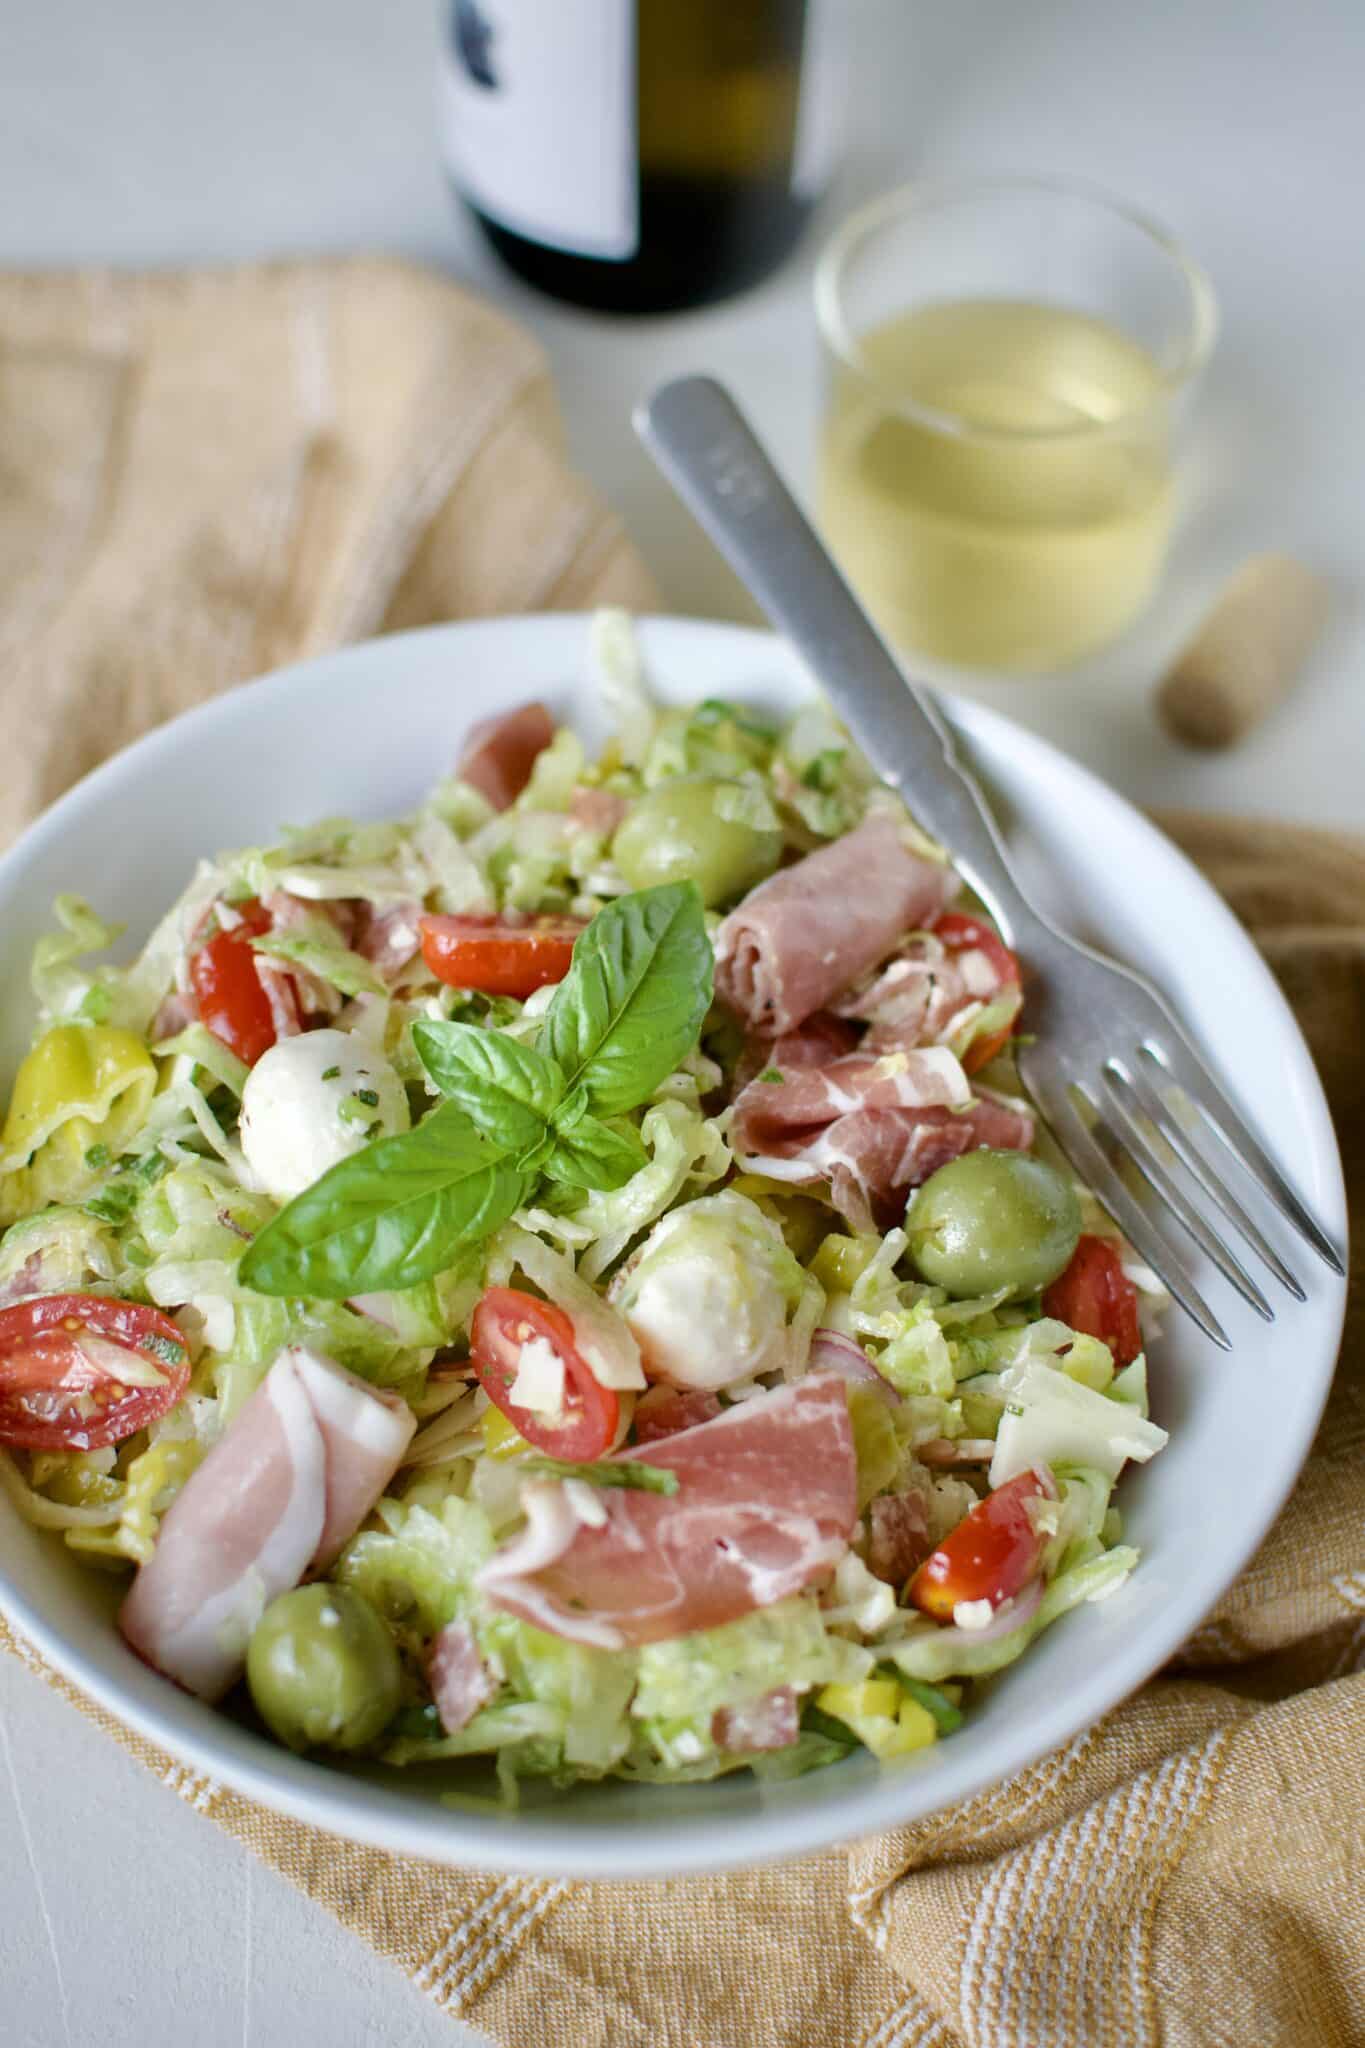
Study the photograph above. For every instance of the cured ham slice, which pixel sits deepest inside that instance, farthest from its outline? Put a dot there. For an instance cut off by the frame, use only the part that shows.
(176, 1014)
(766, 1503)
(499, 753)
(926, 994)
(598, 810)
(460, 1681)
(770, 1722)
(816, 927)
(898, 1536)
(805, 1099)
(664, 1410)
(815, 1043)
(389, 938)
(278, 1495)
(872, 1145)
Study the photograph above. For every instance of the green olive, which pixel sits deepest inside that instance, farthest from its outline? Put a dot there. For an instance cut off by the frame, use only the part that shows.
(680, 832)
(323, 1670)
(991, 1220)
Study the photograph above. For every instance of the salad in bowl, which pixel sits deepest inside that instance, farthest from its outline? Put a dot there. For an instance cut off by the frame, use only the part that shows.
(568, 1277)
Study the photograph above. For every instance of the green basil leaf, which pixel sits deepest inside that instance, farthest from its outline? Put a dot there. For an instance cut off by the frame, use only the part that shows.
(507, 1089)
(390, 1216)
(571, 1110)
(632, 1004)
(627, 1472)
(595, 1155)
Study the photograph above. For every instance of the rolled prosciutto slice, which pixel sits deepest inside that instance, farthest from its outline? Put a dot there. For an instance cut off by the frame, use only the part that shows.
(278, 1495)
(814, 928)
(766, 1503)
(803, 1100)
(871, 1155)
(815, 1043)
(499, 753)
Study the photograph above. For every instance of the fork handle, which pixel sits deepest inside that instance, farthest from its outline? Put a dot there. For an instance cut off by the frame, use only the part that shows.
(705, 447)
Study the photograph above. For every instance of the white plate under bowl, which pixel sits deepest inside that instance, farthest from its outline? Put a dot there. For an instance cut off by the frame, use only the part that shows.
(364, 731)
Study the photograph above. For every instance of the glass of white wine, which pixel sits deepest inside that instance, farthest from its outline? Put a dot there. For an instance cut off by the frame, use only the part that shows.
(1006, 363)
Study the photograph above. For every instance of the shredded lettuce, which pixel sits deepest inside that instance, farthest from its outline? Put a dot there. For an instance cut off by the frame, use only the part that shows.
(787, 1644)
(418, 1567)
(590, 1689)
(555, 775)
(933, 1653)
(322, 953)
(687, 1152)
(618, 672)
(62, 987)
(62, 1250)
(204, 1050)
(1052, 1419)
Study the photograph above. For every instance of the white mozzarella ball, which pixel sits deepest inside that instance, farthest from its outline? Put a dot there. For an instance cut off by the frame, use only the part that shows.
(307, 1105)
(704, 1300)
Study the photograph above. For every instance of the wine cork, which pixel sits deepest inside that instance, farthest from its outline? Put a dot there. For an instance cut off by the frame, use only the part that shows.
(1246, 655)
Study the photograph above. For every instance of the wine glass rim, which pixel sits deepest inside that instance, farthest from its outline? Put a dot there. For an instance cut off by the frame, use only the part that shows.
(925, 196)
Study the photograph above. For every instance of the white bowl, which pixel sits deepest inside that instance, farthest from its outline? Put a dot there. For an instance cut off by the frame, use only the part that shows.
(364, 732)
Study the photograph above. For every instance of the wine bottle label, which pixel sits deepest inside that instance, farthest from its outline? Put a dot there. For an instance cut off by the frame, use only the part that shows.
(538, 120)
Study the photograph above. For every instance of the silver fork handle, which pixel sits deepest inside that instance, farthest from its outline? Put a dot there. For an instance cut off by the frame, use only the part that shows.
(702, 442)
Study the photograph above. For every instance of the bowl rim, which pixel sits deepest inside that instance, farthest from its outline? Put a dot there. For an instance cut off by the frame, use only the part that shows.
(538, 1844)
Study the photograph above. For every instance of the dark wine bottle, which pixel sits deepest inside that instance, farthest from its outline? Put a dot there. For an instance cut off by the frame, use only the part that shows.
(642, 155)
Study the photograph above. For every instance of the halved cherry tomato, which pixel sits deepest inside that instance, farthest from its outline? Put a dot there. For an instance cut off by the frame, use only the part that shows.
(503, 1322)
(1095, 1296)
(232, 1001)
(993, 1552)
(497, 958)
(963, 934)
(61, 1387)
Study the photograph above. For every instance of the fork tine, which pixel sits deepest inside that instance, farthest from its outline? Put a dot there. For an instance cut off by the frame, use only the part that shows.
(1197, 1166)
(1137, 1226)
(1179, 1063)
(1128, 1137)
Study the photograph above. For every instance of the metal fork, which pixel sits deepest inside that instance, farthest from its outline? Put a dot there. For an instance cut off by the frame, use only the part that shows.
(1111, 1071)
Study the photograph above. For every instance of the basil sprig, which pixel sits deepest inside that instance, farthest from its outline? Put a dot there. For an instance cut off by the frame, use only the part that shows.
(631, 1473)
(514, 1116)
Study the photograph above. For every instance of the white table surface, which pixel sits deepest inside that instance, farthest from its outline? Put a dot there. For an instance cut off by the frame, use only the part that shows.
(156, 133)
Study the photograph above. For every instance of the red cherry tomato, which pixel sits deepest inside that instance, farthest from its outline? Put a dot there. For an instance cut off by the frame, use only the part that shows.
(499, 959)
(504, 1321)
(1095, 1296)
(232, 1001)
(993, 1552)
(61, 1387)
(963, 934)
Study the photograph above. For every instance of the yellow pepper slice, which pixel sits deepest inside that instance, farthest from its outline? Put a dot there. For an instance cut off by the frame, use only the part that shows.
(881, 1716)
(81, 1085)
(850, 1702)
(153, 1479)
(500, 1438)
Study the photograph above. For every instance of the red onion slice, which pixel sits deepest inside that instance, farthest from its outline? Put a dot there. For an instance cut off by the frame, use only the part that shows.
(831, 1352)
(1012, 1615)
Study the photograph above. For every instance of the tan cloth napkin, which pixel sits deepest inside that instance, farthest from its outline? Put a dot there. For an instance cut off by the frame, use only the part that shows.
(200, 476)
